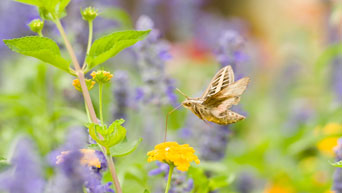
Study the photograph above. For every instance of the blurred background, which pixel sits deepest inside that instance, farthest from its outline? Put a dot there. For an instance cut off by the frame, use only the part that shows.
(290, 49)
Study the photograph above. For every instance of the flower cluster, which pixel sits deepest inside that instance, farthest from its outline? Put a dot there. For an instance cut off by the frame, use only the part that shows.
(25, 173)
(101, 76)
(89, 158)
(180, 182)
(174, 154)
(78, 168)
(89, 13)
(76, 83)
(327, 144)
(229, 51)
(151, 55)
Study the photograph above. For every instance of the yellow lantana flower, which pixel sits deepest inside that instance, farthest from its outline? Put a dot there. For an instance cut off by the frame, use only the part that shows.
(101, 76)
(76, 83)
(327, 144)
(89, 158)
(174, 154)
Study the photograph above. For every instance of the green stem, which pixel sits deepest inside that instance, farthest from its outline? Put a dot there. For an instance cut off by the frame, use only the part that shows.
(40, 34)
(90, 39)
(113, 172)
(86, 108)
(169, 179)
(87, 99)
(78, 71)
(100, 102)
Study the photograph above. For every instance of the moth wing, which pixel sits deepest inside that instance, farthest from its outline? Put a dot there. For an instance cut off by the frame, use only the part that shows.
(227, 117)
(228, 96)
(221, 80)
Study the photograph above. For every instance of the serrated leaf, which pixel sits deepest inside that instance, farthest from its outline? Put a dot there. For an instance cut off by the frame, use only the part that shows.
(337, 164)
(41, 48)
(110, 45)
(124, 148)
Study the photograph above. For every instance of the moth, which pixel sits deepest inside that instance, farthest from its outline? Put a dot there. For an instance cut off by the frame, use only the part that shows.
(222, 93)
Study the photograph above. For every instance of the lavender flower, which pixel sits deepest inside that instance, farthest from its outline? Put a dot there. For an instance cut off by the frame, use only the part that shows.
(121, 94)
(245, 183)
(179, 182)
(151, 56)
(230, 49)
(25, 175)
(337, 181)
(71, 176)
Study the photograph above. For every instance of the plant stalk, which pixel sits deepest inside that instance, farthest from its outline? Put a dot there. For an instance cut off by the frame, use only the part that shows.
(169, 179)
(113, 172)
(87, 99)
(100, 102)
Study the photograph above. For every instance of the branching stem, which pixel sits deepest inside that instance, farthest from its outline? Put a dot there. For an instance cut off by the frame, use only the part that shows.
(87, 99)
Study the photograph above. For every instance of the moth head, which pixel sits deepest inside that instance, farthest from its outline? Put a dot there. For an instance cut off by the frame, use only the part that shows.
(187, 103)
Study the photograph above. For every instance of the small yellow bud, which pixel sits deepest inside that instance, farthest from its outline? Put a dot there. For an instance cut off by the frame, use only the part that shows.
(89, 13)
(76, 83)
(36, 25)
(101, 76)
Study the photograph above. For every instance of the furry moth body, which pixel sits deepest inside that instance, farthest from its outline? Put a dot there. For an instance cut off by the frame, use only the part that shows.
(221, 94)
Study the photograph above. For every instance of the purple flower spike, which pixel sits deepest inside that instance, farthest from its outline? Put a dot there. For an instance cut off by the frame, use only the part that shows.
(25, 175)
(151, 53)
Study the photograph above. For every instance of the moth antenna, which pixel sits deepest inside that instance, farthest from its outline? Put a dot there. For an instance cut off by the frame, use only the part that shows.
(167, 117)
(182, 93)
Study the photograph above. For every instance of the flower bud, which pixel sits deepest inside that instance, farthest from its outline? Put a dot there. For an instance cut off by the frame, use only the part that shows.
(90, 84)
(101, 76)
(89, 13)
(36, 25)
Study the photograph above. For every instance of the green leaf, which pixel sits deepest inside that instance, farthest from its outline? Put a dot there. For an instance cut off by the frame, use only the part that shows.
(110, 45)
(146, 191)
(124, 148)
(110, 136)
(37, 3)
(41, 48)
(337, 164)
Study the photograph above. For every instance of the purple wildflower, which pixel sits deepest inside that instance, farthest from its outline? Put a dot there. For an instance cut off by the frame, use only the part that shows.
(25, 174)
(230, 50)
(71, 176)
(179, 182)
(245, 183)
(151, 56)
(162, 168)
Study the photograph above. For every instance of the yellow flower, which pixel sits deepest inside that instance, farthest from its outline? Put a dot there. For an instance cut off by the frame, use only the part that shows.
(174, 154)
(89, 158)
(101, 76)
(327, 144)
(76, 83)
(277, 188)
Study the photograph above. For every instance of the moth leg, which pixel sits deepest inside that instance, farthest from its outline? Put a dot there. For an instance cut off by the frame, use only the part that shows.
(207, 123)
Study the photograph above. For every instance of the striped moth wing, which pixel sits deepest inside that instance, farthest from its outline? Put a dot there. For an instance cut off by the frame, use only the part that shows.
(224, 93)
